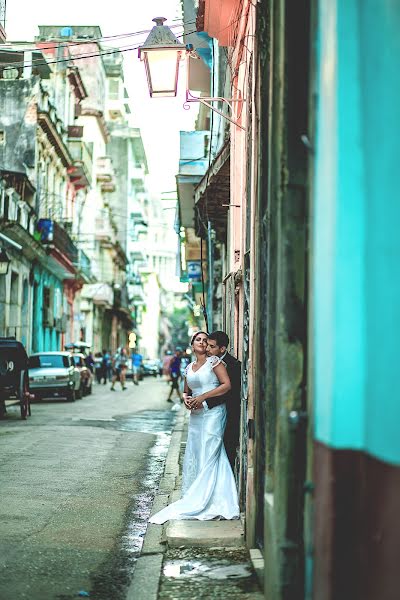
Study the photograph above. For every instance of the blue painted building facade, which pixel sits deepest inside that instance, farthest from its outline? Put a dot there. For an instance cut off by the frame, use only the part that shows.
(45, 336)
(356, 291)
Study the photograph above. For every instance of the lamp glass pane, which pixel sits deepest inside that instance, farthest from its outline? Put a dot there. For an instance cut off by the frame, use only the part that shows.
(162, 68)
(3, 268)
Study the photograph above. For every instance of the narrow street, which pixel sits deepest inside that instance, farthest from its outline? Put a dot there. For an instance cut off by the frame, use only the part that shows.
(76, 486)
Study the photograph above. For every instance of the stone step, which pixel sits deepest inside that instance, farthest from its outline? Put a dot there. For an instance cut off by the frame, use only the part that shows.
(213, 534)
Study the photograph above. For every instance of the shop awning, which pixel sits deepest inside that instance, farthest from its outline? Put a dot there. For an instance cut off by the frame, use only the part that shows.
(212, 194)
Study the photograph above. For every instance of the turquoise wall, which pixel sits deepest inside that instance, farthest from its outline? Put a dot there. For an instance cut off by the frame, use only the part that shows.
(47, 338)
(356, 238)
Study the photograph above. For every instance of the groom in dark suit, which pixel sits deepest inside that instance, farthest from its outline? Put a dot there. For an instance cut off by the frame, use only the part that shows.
(217, 345)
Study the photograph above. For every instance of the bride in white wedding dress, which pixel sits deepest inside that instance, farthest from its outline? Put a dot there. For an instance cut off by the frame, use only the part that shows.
(208, 486)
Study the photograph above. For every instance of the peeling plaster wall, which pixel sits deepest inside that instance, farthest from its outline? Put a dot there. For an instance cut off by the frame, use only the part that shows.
(18, 121)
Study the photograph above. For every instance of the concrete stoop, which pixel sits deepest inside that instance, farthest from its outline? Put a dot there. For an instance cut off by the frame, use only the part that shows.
(212, 534)
(182, 537)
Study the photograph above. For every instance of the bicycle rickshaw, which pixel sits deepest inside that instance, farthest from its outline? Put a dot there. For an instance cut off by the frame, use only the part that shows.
(14, 376)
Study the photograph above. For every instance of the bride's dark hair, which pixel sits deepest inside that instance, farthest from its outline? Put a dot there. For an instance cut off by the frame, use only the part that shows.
(196, 334)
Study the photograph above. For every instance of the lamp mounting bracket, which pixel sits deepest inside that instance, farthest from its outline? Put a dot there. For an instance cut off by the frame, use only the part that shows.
(209, 100)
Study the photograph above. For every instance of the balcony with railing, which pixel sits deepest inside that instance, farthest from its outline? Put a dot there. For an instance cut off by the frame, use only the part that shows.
(82, 156)
(136, 294)
(84, 266)
(121, 298)
(104, 232)
(105, 174)
(14, 210)
(53, 126)
(136, 251)
(52, 233)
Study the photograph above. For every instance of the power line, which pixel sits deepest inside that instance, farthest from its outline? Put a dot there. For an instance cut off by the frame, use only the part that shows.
(67, 44)
(39, 62)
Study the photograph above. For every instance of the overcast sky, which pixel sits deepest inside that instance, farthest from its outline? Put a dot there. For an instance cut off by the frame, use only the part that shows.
(160, 120)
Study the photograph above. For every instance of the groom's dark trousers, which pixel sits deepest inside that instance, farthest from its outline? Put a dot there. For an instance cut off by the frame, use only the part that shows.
(232, 399)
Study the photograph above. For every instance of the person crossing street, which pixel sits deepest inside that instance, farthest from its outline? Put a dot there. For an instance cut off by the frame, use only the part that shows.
(175, 376)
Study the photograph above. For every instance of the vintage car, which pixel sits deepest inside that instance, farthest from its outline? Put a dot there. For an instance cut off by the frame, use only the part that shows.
(14, 381)
(85, 375)
(53, 375)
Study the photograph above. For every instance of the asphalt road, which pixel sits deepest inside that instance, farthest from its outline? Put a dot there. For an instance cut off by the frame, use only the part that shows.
(76, 486)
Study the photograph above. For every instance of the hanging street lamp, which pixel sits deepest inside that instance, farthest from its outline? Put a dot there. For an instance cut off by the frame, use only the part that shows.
(161, 54)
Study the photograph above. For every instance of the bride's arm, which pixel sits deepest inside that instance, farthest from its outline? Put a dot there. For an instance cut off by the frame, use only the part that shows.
(223, 388)
(186, 394)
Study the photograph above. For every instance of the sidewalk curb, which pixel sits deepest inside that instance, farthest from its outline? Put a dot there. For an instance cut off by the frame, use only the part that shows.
(147, 572)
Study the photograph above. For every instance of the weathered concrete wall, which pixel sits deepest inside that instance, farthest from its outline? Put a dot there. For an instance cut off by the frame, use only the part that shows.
(18, 119)
(118, 150)
(281, 373)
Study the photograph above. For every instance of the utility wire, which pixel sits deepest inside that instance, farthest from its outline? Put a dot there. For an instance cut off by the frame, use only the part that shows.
(67, 44)
(39, 62)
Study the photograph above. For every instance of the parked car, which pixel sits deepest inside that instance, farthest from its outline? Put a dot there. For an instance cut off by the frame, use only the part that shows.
(53, 375)
(151, 367)
(85, 374)
(14, 376)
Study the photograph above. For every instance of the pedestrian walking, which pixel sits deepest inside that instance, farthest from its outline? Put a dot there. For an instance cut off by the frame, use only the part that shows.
(175, 376)
(208, 486)
(98, 366)
(108, 364)
(105, 364)
(120, 366)
(165, 365)
(137, 361)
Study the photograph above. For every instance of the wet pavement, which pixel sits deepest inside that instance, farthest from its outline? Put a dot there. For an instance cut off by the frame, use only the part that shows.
(77, 481)
(115, 575)
(212, 573)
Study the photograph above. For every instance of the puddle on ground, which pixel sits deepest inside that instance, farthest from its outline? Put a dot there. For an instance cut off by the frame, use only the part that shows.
(146, 421)
(212, 573)
(182, 568)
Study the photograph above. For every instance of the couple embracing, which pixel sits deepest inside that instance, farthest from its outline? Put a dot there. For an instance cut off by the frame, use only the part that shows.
(212, 394)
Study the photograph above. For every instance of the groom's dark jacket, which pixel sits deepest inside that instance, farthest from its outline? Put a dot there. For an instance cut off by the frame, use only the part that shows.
(232, 399)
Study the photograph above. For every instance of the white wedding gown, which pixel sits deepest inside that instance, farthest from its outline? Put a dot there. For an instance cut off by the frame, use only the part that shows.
(208, 486)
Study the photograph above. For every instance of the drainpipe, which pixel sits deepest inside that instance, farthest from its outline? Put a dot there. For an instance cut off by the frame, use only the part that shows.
(210, 291)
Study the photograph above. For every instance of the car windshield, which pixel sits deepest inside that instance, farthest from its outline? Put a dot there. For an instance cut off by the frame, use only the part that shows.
(49, 361)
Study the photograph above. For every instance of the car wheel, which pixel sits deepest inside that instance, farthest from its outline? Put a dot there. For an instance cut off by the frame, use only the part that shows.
(71, 395)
